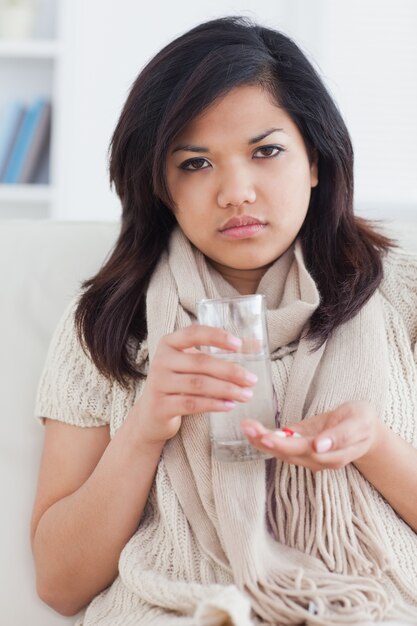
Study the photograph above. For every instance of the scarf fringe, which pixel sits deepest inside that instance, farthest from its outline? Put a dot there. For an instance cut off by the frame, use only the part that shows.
(306, 517)
(285, 598)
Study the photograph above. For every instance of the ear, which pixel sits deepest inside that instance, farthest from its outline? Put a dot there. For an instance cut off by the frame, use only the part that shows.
(314, 169)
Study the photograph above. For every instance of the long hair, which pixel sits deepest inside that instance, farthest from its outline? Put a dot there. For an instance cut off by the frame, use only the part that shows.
(342, 252)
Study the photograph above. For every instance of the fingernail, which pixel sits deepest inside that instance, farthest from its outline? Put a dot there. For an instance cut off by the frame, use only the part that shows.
(324, 445)
(246, 393)
(234, 341)
(251, 432)
(251, 378)
(267, 442)
(229, 405)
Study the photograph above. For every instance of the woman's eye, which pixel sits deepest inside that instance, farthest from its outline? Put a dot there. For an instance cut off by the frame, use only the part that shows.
(194, 164)
(268, 151)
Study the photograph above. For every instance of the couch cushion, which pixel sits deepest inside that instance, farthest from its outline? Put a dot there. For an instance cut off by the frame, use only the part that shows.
(41, 266)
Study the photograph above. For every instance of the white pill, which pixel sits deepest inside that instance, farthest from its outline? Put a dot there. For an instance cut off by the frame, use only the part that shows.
(280, 433)
(285, 435)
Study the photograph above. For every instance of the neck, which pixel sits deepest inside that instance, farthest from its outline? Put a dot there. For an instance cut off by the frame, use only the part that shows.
(244, 281)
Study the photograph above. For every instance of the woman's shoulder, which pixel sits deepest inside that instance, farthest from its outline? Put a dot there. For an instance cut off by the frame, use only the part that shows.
(400, 271)
(399, 285)
(71, 388)
(66, 336)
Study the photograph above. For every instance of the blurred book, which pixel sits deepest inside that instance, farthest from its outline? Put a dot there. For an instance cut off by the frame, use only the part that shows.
(31, 142)
(10, 123)
(41, 174)
(38, 152)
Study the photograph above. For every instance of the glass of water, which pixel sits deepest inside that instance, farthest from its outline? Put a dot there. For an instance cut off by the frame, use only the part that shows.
(244, 317)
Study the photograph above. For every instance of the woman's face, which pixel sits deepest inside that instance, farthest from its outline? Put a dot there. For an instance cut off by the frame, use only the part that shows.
(241, 180)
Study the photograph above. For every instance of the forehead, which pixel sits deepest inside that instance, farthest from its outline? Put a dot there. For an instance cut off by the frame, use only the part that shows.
(243, 111)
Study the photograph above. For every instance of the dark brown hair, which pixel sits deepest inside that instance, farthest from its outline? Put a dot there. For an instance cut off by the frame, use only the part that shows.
(342, 252)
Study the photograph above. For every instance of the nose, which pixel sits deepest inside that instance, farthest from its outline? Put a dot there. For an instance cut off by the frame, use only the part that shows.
(235, 189)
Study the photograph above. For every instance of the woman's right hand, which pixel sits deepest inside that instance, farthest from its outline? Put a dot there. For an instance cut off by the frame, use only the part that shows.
(183, 380)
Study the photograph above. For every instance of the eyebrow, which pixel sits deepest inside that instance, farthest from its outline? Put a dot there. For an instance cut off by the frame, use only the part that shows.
(190, 148)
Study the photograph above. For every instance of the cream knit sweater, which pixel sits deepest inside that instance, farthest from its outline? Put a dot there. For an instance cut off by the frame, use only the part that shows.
(71, 390)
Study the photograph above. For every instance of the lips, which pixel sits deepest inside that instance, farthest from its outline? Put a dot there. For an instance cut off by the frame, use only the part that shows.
(243, 227)
(239, 222)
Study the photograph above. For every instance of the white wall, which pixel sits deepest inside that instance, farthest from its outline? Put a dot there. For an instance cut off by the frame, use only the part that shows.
(358, 47)
(369, 56)
(105, 44)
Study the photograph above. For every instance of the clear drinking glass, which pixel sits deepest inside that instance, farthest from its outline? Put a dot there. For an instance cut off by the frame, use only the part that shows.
(244, 317)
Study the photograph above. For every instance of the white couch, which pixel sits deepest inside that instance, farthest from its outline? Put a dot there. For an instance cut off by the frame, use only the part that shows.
(41, 266)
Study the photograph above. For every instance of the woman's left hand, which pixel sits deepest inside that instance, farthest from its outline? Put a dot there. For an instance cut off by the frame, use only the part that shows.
(328, 441)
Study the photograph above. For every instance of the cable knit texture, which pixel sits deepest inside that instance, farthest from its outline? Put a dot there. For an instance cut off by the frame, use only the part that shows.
(254, 542)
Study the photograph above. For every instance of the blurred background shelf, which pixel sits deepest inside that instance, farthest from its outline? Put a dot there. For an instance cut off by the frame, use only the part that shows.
(33, 194)
(30, 71)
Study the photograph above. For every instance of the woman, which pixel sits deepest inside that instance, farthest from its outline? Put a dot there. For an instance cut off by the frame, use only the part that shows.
(234, 170)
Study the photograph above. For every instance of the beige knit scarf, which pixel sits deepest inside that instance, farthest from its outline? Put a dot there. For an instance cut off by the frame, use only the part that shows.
(300, 539)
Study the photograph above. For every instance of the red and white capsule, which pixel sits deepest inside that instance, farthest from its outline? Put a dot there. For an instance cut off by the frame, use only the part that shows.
(285, 433)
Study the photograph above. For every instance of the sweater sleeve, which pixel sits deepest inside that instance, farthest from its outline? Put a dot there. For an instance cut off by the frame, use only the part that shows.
(399, 286)
(71, 389)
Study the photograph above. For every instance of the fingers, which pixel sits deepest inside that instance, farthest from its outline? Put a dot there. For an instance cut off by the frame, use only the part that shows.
(183, 381)
(288, 448)
(205, 364)
(191, 405)
(205, 386)
(339, 458)
(338, 438)
(292, 450)
(199, 335)
(191, 372)
(345, 427)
